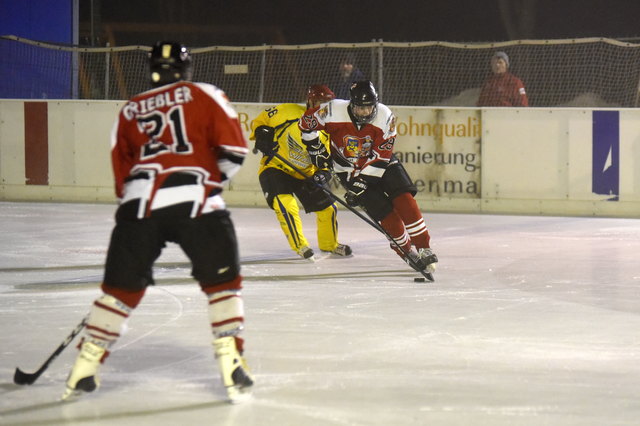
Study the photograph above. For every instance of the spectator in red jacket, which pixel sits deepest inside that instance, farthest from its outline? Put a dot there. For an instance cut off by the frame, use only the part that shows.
(502, 88)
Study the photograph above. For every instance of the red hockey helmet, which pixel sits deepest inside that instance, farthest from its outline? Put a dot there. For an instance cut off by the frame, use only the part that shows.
(318, 94)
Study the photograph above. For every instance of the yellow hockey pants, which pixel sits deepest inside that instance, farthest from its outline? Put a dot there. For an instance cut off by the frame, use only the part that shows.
(288, 214)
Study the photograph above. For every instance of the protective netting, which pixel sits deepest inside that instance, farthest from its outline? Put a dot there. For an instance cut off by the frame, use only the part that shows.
(578, 72)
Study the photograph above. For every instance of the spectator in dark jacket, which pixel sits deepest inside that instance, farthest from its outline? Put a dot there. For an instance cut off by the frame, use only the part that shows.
(348, 74)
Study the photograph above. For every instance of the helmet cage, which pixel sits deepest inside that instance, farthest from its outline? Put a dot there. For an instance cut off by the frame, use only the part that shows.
(363, 119)
(362, 93)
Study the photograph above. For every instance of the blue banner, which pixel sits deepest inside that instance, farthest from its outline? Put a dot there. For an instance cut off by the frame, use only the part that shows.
(31, 72)
(606, 154)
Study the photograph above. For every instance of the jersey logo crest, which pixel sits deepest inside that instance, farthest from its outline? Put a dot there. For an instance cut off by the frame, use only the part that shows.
(355, 147)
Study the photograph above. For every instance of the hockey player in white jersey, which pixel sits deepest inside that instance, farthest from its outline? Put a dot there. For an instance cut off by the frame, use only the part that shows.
(363, 133)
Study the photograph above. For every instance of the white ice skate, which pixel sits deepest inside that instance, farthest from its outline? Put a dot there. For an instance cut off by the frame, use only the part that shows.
(84, 374)
(233, 369)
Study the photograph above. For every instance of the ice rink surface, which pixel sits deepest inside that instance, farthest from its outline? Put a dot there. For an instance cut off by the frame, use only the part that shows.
(531, 321)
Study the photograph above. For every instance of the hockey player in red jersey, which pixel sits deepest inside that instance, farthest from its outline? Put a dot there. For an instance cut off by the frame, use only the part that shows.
(362, 133)
(172, 148)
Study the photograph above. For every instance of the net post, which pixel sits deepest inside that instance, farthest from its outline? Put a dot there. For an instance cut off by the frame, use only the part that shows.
(107, 61)
(380, 69)
(263, 67)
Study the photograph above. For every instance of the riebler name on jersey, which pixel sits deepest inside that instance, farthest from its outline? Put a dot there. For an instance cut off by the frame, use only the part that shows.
(180, 95)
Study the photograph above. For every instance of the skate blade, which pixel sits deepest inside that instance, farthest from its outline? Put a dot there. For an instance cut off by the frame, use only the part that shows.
(238, 395)
(70, 395)
(83, 386)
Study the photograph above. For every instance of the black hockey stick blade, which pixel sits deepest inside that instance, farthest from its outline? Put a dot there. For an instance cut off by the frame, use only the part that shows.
(426, 276)
(22, 378)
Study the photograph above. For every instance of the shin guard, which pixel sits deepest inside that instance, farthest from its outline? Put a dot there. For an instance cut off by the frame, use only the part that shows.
(395, 228)
(407, 209)
(327, 228)
(288, 214)
(226, 312)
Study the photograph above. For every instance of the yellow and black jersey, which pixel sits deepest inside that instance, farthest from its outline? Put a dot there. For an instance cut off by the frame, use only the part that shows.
(284, 119)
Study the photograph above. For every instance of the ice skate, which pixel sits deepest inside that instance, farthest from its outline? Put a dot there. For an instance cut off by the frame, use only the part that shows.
(341, 250)
(84, 374)
(422, 260)
(305, 252)
(430, 259)
(233, 369)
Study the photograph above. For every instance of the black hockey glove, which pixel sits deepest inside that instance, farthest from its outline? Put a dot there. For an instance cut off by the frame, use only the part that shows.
(264, 140)
(356, 188)
(318, 153)
(322, 177)
(318, 180)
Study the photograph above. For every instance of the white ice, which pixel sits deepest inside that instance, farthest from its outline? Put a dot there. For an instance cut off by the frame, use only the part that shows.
(531, 321)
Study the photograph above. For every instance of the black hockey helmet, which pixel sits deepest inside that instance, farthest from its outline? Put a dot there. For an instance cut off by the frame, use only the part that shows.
(169, 61)
(363, 94)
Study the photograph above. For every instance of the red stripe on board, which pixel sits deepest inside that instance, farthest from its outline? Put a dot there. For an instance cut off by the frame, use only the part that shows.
(36, 143)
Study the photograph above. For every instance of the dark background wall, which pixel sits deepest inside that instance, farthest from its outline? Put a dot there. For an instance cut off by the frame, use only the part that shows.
(210, 22)
(234, 22)
(44, 20)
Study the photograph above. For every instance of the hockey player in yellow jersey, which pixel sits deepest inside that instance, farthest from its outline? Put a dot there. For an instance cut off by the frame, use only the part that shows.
(276, 130)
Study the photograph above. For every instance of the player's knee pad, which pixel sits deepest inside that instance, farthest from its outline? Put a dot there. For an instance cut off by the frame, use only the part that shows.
(328, 214)
(131, 298)
(106, 320)
(285, 204)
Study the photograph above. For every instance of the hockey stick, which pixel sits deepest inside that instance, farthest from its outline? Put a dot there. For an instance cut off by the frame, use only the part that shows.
(22, 378)
(367, 219)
